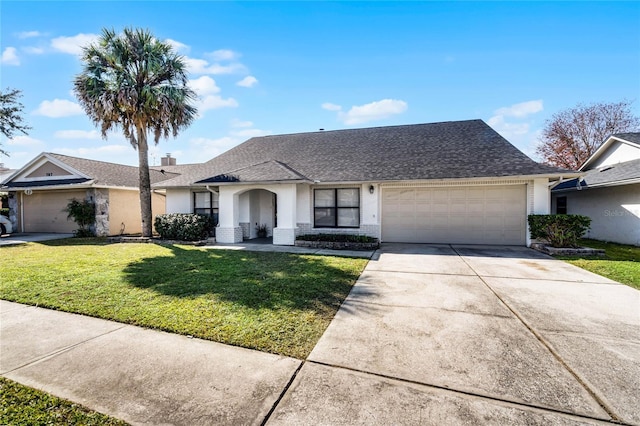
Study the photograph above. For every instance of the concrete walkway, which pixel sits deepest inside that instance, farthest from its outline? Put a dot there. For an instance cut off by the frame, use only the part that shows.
(430, 334)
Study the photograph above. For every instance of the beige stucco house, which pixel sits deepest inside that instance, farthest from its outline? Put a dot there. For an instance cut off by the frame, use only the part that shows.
(451, 182)
(608, 191)
(40, 191)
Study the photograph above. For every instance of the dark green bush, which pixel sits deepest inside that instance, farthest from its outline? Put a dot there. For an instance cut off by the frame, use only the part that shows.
(183, 226)
(83, 213)
(4, 212)
(338, 238)
(561, 230)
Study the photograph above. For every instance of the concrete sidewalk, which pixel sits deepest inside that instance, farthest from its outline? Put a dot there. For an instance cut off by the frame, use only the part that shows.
(429, 335)
(141, 376)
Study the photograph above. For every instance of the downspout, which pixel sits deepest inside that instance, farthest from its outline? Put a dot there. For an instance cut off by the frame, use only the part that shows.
(211, 190)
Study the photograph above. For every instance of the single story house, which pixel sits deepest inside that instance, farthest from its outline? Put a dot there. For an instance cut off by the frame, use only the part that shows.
(40, 191)
(608, 191)
(450, 182)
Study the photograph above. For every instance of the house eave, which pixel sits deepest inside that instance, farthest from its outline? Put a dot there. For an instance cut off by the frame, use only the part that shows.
(599, 185)
(257, 182)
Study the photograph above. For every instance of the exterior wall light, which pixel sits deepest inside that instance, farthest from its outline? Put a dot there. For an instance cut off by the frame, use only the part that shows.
(371, 188)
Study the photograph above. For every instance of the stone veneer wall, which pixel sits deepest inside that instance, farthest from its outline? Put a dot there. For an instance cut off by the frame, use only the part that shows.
(13, 211)
(368, 230)
(101, 200)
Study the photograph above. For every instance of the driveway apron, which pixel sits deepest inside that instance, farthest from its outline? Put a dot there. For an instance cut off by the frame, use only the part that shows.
(434, 334)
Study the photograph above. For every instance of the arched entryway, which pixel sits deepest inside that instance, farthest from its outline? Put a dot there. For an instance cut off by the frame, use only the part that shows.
(258, 211)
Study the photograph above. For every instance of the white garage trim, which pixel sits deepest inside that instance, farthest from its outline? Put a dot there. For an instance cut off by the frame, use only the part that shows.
(448, 212)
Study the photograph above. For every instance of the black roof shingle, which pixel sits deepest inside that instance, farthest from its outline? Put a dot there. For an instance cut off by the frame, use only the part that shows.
(456, 149)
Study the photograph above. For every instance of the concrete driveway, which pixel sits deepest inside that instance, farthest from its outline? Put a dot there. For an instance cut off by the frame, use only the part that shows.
(439, 334)
(32, 237)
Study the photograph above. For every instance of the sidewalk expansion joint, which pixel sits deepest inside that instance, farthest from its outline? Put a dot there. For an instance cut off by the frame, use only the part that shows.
(511, 403)
(282, 394)
(62, 350)
(431, 308)
(542, 340)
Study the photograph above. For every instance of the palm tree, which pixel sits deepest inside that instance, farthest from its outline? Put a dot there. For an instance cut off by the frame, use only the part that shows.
(134, 82)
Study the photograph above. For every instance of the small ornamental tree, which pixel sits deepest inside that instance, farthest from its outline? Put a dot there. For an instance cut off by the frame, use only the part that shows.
(83, 213)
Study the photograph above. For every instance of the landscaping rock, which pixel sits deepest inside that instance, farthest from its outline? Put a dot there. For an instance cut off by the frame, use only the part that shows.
(567, 251)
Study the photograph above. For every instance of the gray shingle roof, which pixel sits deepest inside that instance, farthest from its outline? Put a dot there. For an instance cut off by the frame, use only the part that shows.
(457, 149)
(631, 137)
(101, 172)
(621, 172)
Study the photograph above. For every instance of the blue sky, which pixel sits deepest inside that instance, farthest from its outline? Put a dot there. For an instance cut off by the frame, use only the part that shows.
(285, 67)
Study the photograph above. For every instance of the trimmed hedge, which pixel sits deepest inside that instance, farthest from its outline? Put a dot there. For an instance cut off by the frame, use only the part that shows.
(184, 226)
(561, 230)
(337, 238)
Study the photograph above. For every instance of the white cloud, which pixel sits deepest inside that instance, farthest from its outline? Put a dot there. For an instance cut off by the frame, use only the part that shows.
(204, 85)
(73, 45)
(223, 55)
(98, 152)
(30, 34)
(214, 102)
(251, 133)
(33, 50)
(200, 148)
(58, 108)
(177, 46)
(507, 129)
(331, 107)
(201, 66)
(520, 110)
(9, 56)
(77, 134)
(25, 141)
(514, 123)
(248, 81)
(238, 124)
(378, 110)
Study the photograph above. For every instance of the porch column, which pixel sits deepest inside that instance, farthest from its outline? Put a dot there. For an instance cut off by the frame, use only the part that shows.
(538, 201)
(285, 233)
(228, 230)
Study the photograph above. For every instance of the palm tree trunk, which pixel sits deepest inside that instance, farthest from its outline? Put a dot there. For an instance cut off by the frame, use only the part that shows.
(145, 182)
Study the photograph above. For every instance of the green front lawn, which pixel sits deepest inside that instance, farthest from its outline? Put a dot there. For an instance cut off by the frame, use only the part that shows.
(274, 302)
(621, 262)
(21, 405)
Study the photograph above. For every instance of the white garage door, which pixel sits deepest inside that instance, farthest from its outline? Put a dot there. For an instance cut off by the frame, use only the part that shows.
(43, 211)
(462, 215)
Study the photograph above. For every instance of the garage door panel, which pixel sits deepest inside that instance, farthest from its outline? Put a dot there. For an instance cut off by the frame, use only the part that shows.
(468, 215)
(43, 211)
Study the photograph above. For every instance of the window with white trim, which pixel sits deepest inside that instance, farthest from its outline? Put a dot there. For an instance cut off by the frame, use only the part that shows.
(206, 203)
(336, 208)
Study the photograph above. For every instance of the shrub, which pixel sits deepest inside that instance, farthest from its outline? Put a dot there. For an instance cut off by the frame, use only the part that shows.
(561, 230)
(4, 212)
(184, 226)
(83, 214)
(337, 238)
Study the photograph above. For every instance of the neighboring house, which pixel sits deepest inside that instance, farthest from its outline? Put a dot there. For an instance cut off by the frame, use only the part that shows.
(608, 191)
(451, 182)
(40, 191)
